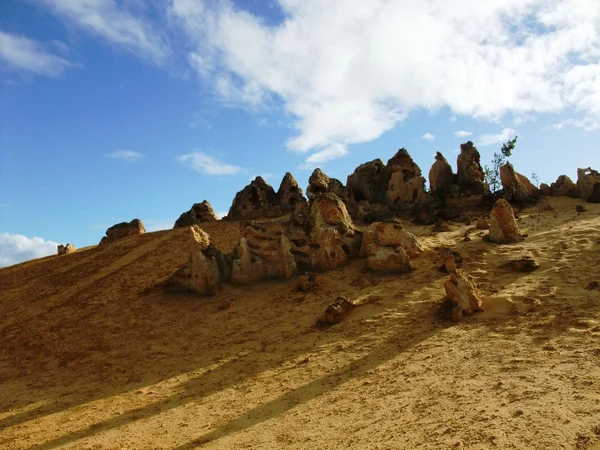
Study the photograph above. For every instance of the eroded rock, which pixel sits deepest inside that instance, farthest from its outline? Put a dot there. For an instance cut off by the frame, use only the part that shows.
(290, 196)
(503, 225)
(516, 186)
(335, 313)
(122, 230)
(523, 264)
(199, 213)
(587, 182)
(257, 200)
(441, 177)
(564, 187)
(470, 174)
(463, 294)
(405, 185)
(65, 249)
(318, 183)
(368, 182)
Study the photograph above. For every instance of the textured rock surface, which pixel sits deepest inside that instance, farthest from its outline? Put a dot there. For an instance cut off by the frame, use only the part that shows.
(523, 264)
(368, 183)
(470, 174)
(290, 196)
(391, 234)
(64, 249)
(441, 177)
(463, 294)
(318, 183)
(587, 179)
(405, 185)
(335, 313)
(200, 212)
(564, 187)
(122, 230)
(516, 186)
(503, 225)
(388, 259)
(255, 201)
(203, 273)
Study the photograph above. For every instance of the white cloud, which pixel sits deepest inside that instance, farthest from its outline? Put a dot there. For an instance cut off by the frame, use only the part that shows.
(16, 248)
(348, 71)
(329, 153)
(462, 133)
(24, 54)
(503, 136)
(557, 126)
(116, 24)
(453, 118)
(428, 137)
(126, 155)
(207, 165)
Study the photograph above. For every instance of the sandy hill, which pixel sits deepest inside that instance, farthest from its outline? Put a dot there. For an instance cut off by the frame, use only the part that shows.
(94, 355)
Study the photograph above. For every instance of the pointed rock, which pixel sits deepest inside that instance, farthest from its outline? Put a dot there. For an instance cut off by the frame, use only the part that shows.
(318, 183)
(290, 195)
(257, 200)
(441, 177)
(517, 187)
(470, 174)
(405, 185)
(503, 225)
(200, 212)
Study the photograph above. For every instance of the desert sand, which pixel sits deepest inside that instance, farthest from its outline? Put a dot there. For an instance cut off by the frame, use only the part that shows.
(95, 354)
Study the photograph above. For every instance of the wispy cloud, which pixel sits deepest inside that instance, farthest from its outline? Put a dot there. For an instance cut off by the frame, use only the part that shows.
(22, 53)
(208, 165)
(329, 153)
(130, 156)
(16, 248)
(115, 23)
(428, 137)
(462, 133)
(489, 139)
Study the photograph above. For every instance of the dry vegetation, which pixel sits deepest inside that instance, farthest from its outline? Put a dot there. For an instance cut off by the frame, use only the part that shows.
(94, 355)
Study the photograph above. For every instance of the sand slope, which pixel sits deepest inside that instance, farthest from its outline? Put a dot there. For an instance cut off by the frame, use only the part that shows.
(92, 355)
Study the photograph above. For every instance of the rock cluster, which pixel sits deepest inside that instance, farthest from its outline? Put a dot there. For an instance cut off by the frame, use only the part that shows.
(65, 249)
(199, 213)
(588, 184)
(470, 176)
(503, 224)
(122, 230)
(516, 186)
(259, 200)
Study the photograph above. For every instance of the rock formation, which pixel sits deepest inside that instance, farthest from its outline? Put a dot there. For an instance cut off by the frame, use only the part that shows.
(65, 249)
(564, 187)
(200, 212)
(524, 263)
(122, 230)
(290, 196)
(256, 201)
(405, 185)
(368, 183)
(463, 294)
(335, 313)
(516, 186)
(587, 181)
(318, 183)
(470, 174)
(441, 177)
(206, 269)
(503, 225)
(595, 196)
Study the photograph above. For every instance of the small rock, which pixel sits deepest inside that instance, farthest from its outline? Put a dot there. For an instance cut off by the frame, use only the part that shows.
(307, 282)
(593, 285)
(483, 224)
(580, 208)
(335, 313)
(64, 249)
(462, 294)
(441, 227)
(523, 264)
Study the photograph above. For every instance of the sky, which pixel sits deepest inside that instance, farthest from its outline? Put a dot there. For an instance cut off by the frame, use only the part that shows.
(118, 109)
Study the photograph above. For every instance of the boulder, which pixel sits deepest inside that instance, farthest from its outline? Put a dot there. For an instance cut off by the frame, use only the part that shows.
(516, 186)
(405, 185)
(470, 174)
(264, 251)
(388, 259)
(441, 177)
(503, 225)
(564, 187)
(463, 294)
(545, 189)
(390, 234)
(122, 230)
(335, 313)
(200, 212)
(206, 269)
(65, 249)
(587, 180)
(290, 196)
(368, 183)
(257, 200)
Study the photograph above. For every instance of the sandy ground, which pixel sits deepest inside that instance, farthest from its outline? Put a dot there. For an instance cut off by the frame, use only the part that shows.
(92, 355)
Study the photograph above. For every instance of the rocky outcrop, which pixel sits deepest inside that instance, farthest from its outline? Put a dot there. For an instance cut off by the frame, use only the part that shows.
(263, 252)
(65, 249)
(389, 247)
(199, 213)
(516, 186)
(206, 269)
(441, 177)
(405, 185)
(587, 181)
(290, 196)
(595, 196)
(335, 313)
(122, 230)
(368, 182)
(503, 225)
(564, 187)
(256, 201)
(470, 174)
(318, 183)
(462, 294)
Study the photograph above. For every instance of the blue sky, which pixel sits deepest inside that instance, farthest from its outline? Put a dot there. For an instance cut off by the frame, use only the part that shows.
(111, 110)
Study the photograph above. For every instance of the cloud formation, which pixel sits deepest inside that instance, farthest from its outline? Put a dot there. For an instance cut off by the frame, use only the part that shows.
(126, 155)
(350, 70)
(497, 138)
(462, 133)
(16, 248)
(428, 137)
(21, 53)
(207, 165)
